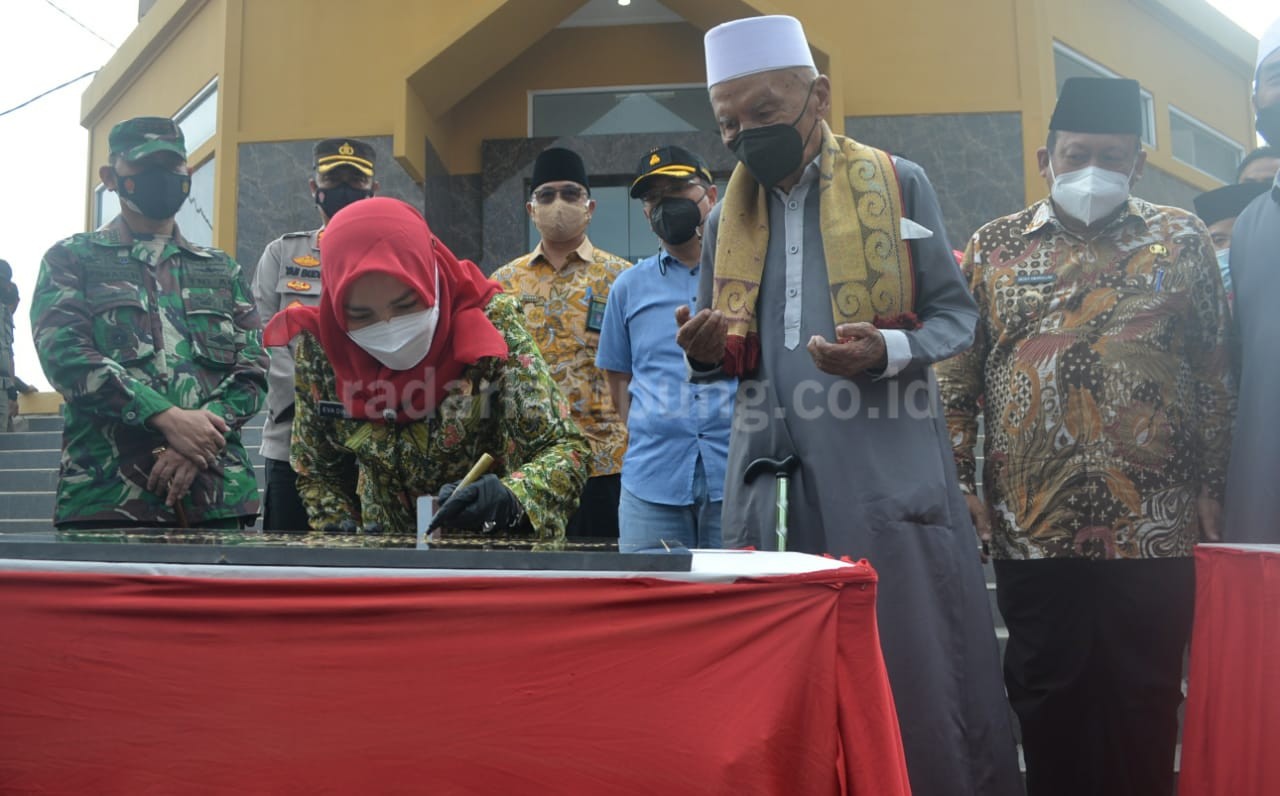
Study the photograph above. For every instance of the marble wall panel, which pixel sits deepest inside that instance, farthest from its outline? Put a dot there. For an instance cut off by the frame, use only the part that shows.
(1163, 188)
(610, 159)
(974, 160)
(273, 197)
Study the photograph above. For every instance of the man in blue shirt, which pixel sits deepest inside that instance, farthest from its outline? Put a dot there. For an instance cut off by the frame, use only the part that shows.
(674, 468)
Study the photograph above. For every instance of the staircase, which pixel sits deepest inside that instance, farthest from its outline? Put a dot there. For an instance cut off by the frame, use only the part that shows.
(29, 474)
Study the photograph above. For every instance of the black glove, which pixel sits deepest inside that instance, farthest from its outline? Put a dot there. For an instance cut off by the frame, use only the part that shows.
(482, 505)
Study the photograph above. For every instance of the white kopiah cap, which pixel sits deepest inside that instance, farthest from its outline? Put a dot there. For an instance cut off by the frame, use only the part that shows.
(755, 44)
(1269, 43)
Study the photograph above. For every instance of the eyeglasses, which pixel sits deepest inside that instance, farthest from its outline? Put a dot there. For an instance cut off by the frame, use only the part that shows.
(570, 193)
(672, 189)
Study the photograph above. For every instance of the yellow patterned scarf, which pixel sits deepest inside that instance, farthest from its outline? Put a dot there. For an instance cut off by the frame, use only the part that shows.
(868, 263)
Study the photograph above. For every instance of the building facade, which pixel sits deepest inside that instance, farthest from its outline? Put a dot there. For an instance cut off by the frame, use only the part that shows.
(458, 99)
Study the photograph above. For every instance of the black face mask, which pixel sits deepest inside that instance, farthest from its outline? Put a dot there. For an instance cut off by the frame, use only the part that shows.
(331, 200)
(675, 219)
(157, 194)
(1269, 124)
(774, 151)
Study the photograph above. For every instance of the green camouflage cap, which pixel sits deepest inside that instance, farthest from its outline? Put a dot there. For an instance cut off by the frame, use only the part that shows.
(134, 139)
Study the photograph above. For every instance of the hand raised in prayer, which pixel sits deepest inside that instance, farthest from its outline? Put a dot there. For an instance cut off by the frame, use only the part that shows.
(859, 348)
(702, 336)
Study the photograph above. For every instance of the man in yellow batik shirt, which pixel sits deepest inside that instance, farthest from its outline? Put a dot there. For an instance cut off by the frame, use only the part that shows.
(564, 285)
(1100, 363)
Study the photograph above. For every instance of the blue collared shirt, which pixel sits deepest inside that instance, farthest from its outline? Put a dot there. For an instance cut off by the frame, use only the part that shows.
(672, 421)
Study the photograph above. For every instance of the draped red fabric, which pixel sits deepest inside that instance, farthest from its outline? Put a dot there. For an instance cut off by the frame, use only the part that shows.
(490, 685)
(381, 235)
(1232, 725)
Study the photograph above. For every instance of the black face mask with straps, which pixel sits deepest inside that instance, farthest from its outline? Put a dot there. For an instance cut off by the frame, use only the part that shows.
(675, 219)
(774, 151)
(331, 200)
(156, 193)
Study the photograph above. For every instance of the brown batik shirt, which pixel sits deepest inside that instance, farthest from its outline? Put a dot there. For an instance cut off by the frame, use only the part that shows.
(1101, 367)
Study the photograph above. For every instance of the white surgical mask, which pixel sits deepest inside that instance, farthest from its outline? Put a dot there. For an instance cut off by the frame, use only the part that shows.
(1224, 265)
(403, 341)
(1089, 194)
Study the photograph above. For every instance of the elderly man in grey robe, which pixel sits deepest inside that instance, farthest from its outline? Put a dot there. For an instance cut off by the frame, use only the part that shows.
(1253, 479)
(828, 287)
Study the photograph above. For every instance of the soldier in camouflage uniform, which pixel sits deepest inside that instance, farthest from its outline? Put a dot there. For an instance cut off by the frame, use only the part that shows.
(288, 273)
(157, 349)
(410, 383)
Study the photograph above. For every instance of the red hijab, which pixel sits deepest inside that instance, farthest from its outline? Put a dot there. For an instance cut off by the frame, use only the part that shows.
(387, 236)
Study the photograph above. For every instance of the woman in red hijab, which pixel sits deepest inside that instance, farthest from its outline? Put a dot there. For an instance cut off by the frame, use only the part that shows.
(411, 367)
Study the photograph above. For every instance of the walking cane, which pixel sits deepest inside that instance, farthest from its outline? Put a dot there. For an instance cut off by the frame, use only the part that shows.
(781, 471)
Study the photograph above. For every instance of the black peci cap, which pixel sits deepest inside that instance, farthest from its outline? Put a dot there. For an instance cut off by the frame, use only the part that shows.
(1098, 105)
(559, 165)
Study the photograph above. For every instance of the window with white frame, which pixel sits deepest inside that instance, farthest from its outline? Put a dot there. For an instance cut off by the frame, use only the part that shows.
(1200, 146)
(629, 109)
(199, 117)
(195, 217)
(106, 205)
(1068, 63)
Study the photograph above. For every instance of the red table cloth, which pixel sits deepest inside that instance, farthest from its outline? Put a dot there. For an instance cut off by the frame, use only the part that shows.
(128, 683)
(1232, 728)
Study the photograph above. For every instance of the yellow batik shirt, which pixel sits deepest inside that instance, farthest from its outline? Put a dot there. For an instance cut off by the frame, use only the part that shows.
(563, 310)
(1101, 369)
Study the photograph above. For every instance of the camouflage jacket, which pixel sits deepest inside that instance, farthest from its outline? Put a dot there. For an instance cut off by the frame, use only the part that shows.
(126, 329)
(372, 472)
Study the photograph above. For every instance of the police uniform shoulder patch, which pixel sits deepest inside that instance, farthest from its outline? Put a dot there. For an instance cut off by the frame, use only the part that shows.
(297, 284)
(306, 261)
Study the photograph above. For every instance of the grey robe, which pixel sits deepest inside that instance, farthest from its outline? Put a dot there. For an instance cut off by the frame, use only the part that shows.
(1253, 478)
(877, 480)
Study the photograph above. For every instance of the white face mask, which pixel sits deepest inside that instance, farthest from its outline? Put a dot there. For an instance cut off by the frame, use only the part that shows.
(403, 341)
(1224, 265)
(1089, 194)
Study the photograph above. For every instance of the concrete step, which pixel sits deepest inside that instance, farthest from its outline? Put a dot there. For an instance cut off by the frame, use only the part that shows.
(27, 505)
(30, 440)
(28, 459)
(45, 440)
(45, 479)
(50, 459)
(43, 423)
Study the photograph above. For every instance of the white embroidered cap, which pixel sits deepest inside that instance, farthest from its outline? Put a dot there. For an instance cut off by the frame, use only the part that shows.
(755, 44)
(1269, 43)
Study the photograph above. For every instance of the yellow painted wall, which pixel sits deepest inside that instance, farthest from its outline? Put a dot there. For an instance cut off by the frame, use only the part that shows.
(1171, 64)
(180, 70)
(569, 58)
(917, 56)
(460, 72)
(178, 73)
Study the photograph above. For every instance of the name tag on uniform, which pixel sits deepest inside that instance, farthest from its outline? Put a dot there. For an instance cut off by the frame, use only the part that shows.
(595, 313)
(1035, 279)
(332, 409)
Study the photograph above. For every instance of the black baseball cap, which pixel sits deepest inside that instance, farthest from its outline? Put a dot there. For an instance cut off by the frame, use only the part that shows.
(334, 152)
(668, 161)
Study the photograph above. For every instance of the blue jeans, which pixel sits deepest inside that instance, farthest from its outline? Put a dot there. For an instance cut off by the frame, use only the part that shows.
(645, 527)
